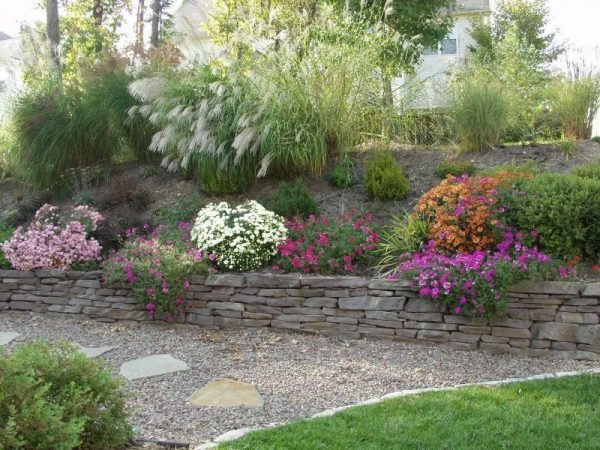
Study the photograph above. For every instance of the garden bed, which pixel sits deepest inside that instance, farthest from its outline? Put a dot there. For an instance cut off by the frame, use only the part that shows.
(558, 319)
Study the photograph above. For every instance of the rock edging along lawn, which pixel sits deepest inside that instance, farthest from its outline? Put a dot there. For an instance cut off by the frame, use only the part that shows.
(558, 319)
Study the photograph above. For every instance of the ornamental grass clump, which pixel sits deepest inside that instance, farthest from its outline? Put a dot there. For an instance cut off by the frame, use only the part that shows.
(55, 241)
(158, 265)
(242, 238)
(321, 245)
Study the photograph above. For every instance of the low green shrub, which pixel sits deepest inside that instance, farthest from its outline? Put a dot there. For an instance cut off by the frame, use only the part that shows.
(6, 232)
(596, 139)
(591, 170)
(404, 234)
(455, 168)
(384, 179)
(528, 168)
(563, 210)
(343, 175)
(480, 112)
(293, 200)
(54, 397)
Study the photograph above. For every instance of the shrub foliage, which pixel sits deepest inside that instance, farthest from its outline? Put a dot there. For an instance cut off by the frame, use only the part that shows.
(52, 396)
(384, 179)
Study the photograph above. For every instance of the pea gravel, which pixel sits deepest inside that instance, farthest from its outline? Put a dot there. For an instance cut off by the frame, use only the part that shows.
(297, 375)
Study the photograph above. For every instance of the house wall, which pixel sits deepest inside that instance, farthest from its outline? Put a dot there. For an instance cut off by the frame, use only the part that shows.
(559, 319)
(432, 74)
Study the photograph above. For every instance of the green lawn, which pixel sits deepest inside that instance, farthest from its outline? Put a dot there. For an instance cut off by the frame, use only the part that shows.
(550, 414)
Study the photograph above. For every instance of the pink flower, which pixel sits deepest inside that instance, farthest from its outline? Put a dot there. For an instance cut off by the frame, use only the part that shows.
(150, 308)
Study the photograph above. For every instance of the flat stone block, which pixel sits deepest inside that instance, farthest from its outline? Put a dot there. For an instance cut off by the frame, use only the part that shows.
(547, 287)
(7, 336)
(518, 333)
(94, 284)
(510, 323)
(474, 330)
(321, 302)
(433, 335)
(555, 331)
(591, 290)
(570, 317)
(462, 337)
(417, 305)
(301, 318)
(226, 280)
(421, 317)
(92, 352)
(306, 292)
(538, 314)
(152, 366)
(273, 293)
(226, 305)
(430, 326)
(381, 323)
(249, 299)
(587, 334)
(372, 303)
(343, 312)
(227, 393)
(289, 301)
(272, 281)
(331, 283)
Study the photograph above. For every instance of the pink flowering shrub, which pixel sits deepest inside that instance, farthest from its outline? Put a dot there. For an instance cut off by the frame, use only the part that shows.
(157, 265)
(54, 241)
(475, 283)
(321, 245)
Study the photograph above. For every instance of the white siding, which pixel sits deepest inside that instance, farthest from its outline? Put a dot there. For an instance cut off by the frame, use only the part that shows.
(431, 78)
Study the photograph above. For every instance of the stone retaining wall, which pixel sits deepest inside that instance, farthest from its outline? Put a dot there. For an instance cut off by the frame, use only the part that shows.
(542, 319)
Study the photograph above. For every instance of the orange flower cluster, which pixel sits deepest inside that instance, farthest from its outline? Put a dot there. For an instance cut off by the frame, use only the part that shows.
(462, 211)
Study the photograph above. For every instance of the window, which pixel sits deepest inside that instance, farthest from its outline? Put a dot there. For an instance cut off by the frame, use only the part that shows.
(448, 46)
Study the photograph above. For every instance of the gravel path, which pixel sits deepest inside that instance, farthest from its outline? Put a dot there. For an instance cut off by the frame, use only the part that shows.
(298, 375)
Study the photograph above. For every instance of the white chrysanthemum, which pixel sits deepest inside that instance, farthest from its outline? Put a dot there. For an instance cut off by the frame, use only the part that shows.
(242, 238)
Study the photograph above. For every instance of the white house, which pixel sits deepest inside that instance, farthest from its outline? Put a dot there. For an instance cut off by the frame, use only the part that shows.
(9, 64)
(431, 79)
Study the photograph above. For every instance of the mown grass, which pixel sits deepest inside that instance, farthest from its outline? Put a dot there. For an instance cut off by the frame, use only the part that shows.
(549, 414)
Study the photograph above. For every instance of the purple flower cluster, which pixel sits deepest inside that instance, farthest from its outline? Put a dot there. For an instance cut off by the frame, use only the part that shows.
(474, 284)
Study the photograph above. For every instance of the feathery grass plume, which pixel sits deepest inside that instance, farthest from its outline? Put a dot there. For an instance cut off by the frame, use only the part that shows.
(480, 112)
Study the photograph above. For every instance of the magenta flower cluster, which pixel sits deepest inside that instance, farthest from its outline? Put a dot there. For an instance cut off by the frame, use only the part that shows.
(157, 265)
(475, 284)
(53, 241)
(321, 245)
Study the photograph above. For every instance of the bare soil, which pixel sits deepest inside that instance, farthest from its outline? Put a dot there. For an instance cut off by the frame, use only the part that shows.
(131, 193)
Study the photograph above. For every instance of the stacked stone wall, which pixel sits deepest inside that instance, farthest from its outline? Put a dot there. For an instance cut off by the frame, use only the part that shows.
(559, 319)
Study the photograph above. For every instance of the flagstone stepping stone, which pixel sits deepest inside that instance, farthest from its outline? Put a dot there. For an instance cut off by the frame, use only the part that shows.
(227, 393)
(7, 336)
(152, 366)
(92, 352)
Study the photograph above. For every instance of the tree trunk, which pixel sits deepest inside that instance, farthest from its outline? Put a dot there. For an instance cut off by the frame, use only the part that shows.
(98, 15)
(387, 104)
(53, 35)
(139, 27)
(156, 12)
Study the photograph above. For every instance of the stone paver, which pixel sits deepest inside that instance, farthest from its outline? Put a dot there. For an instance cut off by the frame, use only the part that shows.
(227, 393)
(92, 352)
(7, 336)
(152, 366)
